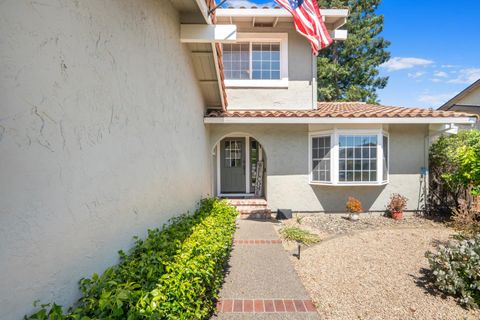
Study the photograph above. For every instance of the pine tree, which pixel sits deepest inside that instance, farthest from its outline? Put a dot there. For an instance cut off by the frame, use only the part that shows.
(348, 70)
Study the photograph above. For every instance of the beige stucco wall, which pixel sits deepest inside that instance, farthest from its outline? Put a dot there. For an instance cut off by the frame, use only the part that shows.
(286, 148)
(298, 95)
(97, 143)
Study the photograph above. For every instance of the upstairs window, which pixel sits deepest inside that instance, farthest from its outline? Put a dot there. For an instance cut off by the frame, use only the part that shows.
(256, 60)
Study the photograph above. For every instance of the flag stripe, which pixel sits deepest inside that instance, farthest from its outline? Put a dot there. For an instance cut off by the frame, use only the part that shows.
(308, 22)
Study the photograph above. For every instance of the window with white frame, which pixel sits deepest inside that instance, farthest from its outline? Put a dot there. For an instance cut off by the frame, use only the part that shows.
(349, 157)
(259, 59)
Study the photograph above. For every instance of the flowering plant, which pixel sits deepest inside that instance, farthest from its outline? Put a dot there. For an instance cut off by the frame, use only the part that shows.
(354, 205)
(397, 203)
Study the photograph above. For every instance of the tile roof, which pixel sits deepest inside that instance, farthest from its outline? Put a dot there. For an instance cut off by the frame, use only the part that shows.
(340, 110)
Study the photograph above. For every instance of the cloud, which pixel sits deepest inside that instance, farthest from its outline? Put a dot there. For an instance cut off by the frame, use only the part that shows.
(398, 63)
(449, 66)
(415, 75)
(441, 74)
(248, 4)
(436, 99)
(436, 80)
(466, 76)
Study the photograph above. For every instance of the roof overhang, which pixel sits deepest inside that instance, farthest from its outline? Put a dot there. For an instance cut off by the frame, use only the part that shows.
(339, 120)
(450, 103)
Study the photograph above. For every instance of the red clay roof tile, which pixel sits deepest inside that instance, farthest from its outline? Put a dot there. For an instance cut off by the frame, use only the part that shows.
(340, 110)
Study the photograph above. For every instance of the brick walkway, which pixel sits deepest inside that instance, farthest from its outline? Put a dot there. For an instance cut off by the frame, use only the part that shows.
(261, 282)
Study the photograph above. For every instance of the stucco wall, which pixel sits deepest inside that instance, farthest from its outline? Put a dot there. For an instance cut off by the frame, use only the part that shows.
(286, 148)
(299, 93)
(101, 137)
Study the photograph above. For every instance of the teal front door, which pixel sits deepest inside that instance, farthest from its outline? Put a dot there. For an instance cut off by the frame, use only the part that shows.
(232, 165)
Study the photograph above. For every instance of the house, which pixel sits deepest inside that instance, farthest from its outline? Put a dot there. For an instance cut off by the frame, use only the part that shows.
(466, 101)
(117, 115)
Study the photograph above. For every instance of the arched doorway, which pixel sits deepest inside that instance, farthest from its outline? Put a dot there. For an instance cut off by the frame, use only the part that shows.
(240, 167)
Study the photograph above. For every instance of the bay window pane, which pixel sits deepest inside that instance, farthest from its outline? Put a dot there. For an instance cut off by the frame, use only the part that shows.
(357, 156)
(385, 158)
(321, 158)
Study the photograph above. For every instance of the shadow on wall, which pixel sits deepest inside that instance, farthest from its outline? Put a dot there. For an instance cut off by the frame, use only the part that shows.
(334, 198)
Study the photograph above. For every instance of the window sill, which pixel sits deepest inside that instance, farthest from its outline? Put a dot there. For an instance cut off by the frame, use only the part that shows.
(283, 83)
(348, 184)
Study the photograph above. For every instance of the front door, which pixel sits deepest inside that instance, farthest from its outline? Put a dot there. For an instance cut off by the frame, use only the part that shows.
(232, 165)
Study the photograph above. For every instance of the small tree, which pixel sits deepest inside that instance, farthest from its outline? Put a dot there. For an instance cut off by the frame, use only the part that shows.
(455, 169)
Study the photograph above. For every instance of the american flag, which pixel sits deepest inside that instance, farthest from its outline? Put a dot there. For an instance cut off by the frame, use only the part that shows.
(308, 22)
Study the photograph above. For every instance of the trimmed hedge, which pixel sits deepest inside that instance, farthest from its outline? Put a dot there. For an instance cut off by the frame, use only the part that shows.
(175, 273)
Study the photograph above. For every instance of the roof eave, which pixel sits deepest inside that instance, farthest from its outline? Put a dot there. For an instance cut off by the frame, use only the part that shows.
(447, 105)
(338, 120)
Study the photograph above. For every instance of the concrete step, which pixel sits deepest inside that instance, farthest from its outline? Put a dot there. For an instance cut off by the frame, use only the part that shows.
(248, 202)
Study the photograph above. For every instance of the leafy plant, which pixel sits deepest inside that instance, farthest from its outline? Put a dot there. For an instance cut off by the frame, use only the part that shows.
(465, 219)
(456, 269)
(455, 170)
(291, 233)
(174, 273)
(397, 203)
(354, 205)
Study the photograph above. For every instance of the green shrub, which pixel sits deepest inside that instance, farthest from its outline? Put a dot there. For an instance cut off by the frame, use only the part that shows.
(291, 233)
(174, 273)
(456, 269)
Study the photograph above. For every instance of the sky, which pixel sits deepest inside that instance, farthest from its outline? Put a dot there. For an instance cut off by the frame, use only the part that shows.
(435, 49)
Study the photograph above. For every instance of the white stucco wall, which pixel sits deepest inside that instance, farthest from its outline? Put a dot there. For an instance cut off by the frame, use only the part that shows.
(101, 137)
(298, 95)
(286, 148)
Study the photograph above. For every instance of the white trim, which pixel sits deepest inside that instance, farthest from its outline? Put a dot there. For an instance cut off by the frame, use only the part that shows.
(282, 39)
(274, 13)
(247, 165)
(335, 156)
(219, 181)
(202, 5)
(226, 195)
(305, 120)
(282, 83)
(206, 33)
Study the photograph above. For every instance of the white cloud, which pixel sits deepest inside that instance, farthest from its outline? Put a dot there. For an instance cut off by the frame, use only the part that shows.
(247, 4)
(467, 76)
(436, 80)
(415, 75)
(398, 63)
(449, 66)
(436, 100)
(441, 74)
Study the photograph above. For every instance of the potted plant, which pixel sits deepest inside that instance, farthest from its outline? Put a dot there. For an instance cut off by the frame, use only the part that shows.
(354, 207)
(397, 204)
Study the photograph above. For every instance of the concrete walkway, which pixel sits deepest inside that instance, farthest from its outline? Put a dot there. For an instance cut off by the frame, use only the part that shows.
(261, 282)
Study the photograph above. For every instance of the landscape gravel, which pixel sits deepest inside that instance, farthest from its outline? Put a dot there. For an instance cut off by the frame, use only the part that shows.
(375, 269)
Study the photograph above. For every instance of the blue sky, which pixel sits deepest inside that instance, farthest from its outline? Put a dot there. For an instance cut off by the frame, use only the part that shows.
(435, 49)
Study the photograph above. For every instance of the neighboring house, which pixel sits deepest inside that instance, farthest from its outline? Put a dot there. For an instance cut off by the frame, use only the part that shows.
(466, 101)
(117, 115)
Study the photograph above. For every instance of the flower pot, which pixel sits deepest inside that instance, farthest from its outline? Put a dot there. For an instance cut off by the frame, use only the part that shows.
(354, 216)
(397, 215)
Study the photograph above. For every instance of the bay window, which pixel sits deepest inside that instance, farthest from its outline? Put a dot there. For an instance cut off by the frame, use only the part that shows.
(349, 157)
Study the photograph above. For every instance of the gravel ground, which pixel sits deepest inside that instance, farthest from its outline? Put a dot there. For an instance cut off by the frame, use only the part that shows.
(374, 273)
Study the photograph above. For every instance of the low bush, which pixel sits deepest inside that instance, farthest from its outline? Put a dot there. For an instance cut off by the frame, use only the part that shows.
(354, 205)
(292, 233)
(174, 273)
(465, 220)
(456, 270)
